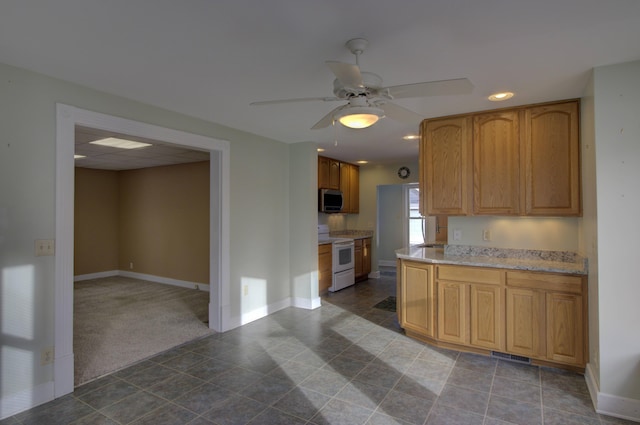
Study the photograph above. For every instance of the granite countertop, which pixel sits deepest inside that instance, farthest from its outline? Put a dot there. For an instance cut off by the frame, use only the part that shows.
(516, 259)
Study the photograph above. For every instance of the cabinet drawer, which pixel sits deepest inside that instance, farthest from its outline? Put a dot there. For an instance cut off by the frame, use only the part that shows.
(470, 274)
(324, 248)
(544, 281)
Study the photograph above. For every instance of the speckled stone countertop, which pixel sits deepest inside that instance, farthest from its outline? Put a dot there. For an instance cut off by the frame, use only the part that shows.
(516, 259)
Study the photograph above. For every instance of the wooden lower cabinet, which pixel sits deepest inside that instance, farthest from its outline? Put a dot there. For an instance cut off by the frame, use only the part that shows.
(325, 274)
(452, 312)
(538, 315)
(486, 308)
(546, 317)
(362, 258)
(416, 295)
(525, 315)
(470, 307)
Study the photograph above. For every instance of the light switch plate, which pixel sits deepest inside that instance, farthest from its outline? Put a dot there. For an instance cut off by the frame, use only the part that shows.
(45, 247)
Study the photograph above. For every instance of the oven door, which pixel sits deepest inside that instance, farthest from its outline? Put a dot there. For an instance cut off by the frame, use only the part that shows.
(343, 255)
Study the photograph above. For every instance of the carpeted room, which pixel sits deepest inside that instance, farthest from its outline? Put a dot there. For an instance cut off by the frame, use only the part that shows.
(150, 224)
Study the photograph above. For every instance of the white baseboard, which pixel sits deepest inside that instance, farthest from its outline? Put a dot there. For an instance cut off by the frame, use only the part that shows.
(611, 405)
(387, 263)
(142, 276)
(15, 403)
(374, 275)
(308, 304)
(98, 275)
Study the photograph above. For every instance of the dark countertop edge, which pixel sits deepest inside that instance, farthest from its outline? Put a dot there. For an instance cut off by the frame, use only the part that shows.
(437, 256)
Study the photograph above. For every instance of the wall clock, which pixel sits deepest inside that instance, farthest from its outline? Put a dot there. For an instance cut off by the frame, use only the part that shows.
(403, 172)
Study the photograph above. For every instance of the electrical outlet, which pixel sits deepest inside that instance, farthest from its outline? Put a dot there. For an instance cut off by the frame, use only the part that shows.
(44, 247)
(246, 290)
(131, 265)
(46, 357)
(457, 234)
(486, 234)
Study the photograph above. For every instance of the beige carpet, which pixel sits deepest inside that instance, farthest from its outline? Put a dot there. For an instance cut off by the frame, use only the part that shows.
(119, 321)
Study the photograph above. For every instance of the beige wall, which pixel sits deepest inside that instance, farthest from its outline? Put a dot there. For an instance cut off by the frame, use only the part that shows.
(154, 218)
(95, 221)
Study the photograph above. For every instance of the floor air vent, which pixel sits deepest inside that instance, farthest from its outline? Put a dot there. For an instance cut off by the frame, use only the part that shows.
(511, 357)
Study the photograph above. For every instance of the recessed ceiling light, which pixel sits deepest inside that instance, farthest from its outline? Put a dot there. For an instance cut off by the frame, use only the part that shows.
(497, 97)
(320, 150)
(78, 156)
(113, 142)
(411, 137)
(362, 162)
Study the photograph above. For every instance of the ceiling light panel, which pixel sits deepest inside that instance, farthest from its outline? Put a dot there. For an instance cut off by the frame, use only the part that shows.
(114, 142)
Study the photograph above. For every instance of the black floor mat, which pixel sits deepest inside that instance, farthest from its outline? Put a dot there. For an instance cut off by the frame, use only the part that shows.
(388, 304)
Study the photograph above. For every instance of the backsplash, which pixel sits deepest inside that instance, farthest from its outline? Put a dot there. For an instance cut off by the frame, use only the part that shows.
(523, 254)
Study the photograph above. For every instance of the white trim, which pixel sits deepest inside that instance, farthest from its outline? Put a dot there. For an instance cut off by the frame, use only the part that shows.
(97, 275)
(386, 263)
(259, 313)
(611, 405)
(306, 303)
(374, 275)
(15, 403)
(164, 280)
(67, 118)
(143, 276)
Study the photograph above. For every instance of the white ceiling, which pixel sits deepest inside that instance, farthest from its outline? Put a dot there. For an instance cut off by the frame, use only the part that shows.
(211, 59)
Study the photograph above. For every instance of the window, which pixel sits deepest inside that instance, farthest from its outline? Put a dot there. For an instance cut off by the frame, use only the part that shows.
(415, 222)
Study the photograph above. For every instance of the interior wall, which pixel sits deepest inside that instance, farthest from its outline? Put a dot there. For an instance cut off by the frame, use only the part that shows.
(28, 164)
(543, 233)
(617, 135)
(95, 221)
(372, 176)
(390, 220)
(164, 221)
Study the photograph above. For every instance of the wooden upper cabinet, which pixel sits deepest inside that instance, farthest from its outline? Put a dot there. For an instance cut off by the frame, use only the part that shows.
(552, 159)
(328, 173)
(519, 161)
(496, 163)
(350, 187)
(445, 162)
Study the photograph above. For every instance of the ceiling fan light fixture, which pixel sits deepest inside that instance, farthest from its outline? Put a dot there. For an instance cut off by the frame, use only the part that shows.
(359, 116)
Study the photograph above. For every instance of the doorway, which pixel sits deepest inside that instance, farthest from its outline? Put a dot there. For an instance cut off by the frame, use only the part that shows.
(68, 117)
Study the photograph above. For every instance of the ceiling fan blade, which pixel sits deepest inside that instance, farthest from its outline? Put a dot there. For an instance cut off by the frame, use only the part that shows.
(400, 113)
(327, 120)
(348, 73)
(431, 88)
(302, 99)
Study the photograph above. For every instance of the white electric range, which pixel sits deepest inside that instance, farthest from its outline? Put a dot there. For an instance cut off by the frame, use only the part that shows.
(342, 265)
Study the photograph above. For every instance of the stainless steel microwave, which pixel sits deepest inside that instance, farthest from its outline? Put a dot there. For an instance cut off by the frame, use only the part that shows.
(329, 200)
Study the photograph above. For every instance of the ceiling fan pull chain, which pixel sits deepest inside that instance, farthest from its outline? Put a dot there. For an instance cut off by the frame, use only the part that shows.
(335, 133)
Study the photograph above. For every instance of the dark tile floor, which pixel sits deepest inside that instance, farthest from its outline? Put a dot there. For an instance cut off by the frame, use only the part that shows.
(344, 363)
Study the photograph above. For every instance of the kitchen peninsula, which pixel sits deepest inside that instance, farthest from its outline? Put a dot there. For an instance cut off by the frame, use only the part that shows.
(524, 304)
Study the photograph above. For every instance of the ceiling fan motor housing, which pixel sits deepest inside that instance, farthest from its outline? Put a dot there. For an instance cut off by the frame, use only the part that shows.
(371, 87)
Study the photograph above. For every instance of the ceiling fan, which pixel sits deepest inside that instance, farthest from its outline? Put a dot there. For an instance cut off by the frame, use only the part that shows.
(367, 100)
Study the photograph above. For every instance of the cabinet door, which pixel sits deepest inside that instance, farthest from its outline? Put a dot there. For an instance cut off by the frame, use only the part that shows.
(366, 256)
(452, 317)
(486, 317)
(357, 253)
(354, 188)
(417, 298)
(525, 322)
(496, 163)
(325, 274)
(565, 332)
(323, 172)
(345, 186)
(552, 160)
(334, 174)
(445, 160)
